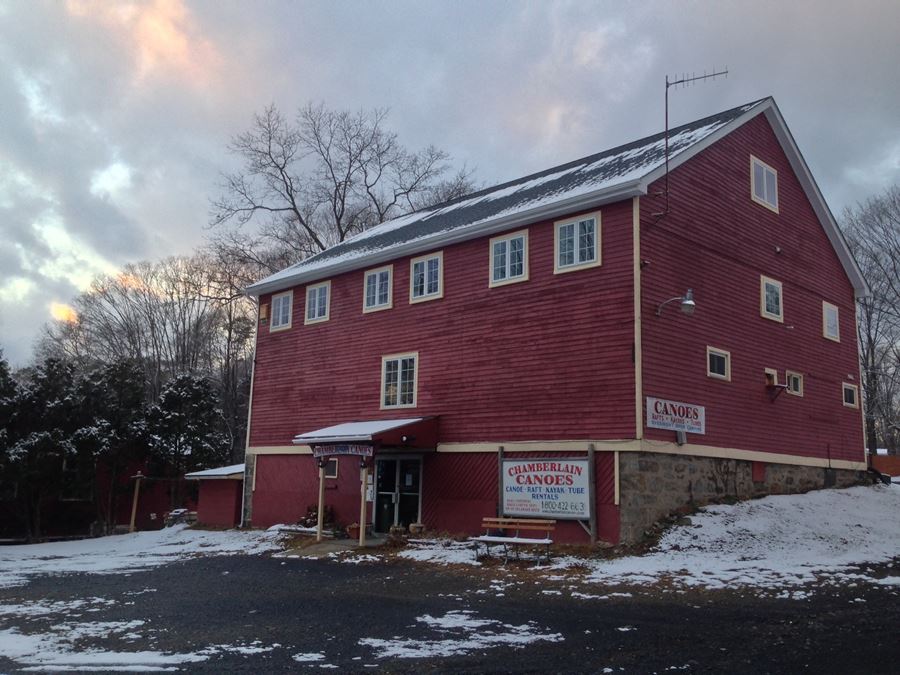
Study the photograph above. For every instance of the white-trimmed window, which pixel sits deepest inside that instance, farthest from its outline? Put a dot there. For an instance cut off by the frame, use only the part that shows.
(281, 311)
(771, 305)
(378, 289)
(851, 395)
(399, 380)
(763, 184)
(426, 277)
(509, 258)
(718, 363)
(577, 243)
(331, 467)
(794, 381)
(318, 300)
(831, 325)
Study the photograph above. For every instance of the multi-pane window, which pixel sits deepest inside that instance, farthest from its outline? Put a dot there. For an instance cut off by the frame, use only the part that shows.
(509, 258)
(718, 363)
(764, 184)
(317, 298)
(426, 277)
(398, 381)
(770, 301)
(830, 323)
(577, 243)
(851, 395)
(378, 294)
(281, 311)
(794, 383)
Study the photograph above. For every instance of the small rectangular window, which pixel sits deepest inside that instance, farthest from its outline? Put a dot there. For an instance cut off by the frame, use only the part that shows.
(426, 277)
(831, 327)
(378, 289)
(794, 383)
(763, 184)
(770, 299)
(331, 468)
(718, 363)
(509, 258)
(399, 381)
(851, 395)
(577, 243)
(317, 302)
(281, 311)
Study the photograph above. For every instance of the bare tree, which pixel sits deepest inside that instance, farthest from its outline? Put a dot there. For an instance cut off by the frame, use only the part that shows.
(307, 184)
(873, 232)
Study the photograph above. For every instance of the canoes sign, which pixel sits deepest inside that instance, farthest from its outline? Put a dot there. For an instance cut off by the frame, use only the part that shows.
(676, 416)
(557, 488)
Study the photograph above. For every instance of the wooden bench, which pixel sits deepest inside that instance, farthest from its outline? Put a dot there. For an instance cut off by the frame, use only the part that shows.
(508, 532)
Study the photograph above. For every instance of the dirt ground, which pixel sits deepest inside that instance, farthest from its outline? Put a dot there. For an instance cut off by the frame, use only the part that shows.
(260, 613)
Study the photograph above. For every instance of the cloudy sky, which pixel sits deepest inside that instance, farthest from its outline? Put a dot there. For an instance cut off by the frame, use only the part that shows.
(115, 116)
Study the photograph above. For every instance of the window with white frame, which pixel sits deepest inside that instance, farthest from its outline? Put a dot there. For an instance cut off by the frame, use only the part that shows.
(399, 380)
(851, 395)
(426, 277)
(831, 327)
(281, 311)
(378, 292)
(763, 184)
(770, 299)
(794, 382)
(718, 363)
(318, 298)
(331, 468)
(577, 243)
(509, 258)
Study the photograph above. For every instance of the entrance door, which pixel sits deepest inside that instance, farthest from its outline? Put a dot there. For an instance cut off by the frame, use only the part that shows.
(397, 491)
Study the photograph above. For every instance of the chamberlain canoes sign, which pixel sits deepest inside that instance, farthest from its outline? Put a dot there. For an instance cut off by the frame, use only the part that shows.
(332, 450)
(559, 488)
(676, 416)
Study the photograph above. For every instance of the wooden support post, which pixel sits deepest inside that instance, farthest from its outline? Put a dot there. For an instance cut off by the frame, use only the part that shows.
(362, 504)
(592, 491)
(500, 481)
(134, 501)
(320, 516)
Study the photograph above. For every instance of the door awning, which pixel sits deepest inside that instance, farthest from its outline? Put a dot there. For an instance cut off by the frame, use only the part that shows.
(412, 432)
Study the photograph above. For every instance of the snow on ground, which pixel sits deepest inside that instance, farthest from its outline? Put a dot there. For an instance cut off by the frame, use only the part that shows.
(126, 552)
(459, 632)
(776, 541)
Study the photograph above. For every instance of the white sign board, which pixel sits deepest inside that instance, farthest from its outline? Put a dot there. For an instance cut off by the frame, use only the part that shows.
(676, 416)
(552, 488)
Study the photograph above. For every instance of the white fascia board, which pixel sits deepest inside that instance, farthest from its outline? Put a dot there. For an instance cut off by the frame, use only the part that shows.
(801, 170)
(300, 440)
(607, 195)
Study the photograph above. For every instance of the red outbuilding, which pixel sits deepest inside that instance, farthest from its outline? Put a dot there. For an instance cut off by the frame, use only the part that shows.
(603, 342)
(220, 493)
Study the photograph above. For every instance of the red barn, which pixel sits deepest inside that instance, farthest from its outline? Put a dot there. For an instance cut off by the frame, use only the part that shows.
(603, 342)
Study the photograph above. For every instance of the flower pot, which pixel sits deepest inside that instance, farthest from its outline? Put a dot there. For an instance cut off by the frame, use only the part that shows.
(417, 529)
(353, 531)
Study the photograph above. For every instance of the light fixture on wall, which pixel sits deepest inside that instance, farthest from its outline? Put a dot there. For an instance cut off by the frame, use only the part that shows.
(687, 303)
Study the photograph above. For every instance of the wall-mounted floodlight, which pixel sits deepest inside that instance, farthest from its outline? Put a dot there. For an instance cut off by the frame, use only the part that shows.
(687, 303)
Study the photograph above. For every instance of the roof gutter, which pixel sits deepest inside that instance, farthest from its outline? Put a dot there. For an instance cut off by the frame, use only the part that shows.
(586, 201)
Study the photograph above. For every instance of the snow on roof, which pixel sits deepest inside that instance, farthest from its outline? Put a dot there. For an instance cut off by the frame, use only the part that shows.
(352, 431)
(221, 472)
(604, 173)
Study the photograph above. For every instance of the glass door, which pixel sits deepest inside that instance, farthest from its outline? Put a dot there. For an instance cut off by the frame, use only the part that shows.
(397, 492)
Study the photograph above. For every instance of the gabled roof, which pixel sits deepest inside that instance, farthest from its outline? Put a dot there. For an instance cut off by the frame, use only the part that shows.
(612, 175)
(235, 471)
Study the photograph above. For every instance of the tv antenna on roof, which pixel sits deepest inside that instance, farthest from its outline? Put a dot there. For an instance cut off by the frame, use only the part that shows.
(684, 81)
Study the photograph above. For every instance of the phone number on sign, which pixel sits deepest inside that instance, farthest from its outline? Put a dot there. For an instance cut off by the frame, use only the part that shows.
(565, 507)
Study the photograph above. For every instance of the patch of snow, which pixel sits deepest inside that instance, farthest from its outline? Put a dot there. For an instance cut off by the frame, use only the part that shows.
(440, 551)
(126, 552)
(459, 633)
(312, 656)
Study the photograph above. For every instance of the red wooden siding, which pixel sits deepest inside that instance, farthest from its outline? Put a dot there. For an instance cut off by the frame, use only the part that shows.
(717, 241)
(548, 358)
(219, 502)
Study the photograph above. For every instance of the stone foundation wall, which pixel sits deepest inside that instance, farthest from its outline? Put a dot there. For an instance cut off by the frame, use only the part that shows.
(653, 485)
(249, 470)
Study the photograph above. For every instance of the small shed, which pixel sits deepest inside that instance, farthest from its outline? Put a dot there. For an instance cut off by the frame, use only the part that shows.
(219, 499)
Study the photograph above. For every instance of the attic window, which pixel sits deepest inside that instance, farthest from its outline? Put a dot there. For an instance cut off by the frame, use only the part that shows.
(831, 328)
(770, 304)
(577, 243)
(763, 184)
